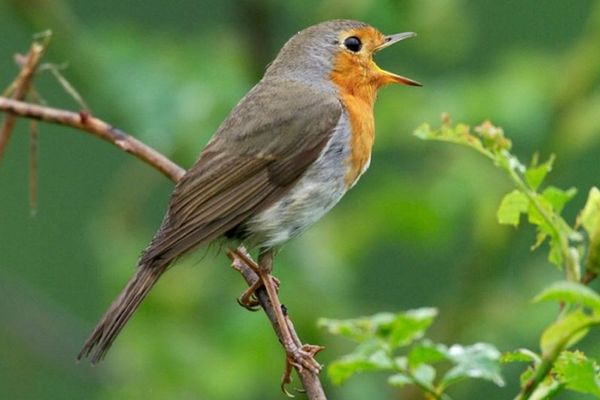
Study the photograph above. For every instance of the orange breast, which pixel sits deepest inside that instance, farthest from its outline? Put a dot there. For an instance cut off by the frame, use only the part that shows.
(363, 134)
(357, 93)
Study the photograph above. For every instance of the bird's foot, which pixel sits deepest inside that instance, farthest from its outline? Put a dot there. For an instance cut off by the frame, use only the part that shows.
(248, 299)
(301, 358)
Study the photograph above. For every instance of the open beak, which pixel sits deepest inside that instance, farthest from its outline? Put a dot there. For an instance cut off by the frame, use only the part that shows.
(389, 77)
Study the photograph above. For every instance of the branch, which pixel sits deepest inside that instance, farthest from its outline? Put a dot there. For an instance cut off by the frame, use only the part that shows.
(19, 89)
(85, 122)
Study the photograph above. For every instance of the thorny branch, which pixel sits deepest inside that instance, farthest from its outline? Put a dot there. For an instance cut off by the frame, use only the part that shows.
(83, 121)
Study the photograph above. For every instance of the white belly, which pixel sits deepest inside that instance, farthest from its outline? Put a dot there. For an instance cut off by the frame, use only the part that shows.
(316, 192)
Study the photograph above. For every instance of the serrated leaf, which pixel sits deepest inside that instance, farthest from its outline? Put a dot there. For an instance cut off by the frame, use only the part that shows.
(578, 373)
(534, 216)
(572, 293)
(567, 331)
(410, 325)
(358, 329)
(426, 352)
(590, 215)
(555, 256)
(511, 207)
(520, 355)
(480, 360)
(342, 369)
(534, 176)
(398, 329)
(558, 197)
(399, 380)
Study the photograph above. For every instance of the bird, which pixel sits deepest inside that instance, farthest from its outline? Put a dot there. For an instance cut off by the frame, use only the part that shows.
(283, 157)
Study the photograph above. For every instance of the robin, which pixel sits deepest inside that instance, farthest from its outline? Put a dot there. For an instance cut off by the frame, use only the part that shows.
(285, 155)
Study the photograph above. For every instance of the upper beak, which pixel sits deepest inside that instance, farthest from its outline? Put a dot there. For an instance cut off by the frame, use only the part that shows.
(390, 77)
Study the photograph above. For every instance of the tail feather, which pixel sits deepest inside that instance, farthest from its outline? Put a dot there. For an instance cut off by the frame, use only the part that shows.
(121, 310)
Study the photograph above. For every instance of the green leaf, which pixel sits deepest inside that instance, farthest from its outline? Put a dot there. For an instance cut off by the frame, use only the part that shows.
(480, 360)
(578, 373)
(590, 215)
(567, 331)
(572, 293)
(410, 325)
(535, 217)
(427, 352)
(555, 256)
(526, 376)
(520, 355)
(358, 329)
(399, 329)
(540, 237)
(511, 207)
(425, 374)
(342, 369)
(534, 176)
(399, 380)
(558, 197)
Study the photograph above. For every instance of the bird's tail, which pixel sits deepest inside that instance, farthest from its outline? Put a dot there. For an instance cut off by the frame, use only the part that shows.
(121, 310)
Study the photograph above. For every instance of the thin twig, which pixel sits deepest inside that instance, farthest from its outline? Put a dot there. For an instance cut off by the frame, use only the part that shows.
(70, 89)
(19, 90)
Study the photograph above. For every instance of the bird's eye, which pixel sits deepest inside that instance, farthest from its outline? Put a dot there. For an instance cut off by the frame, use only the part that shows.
(353, 44)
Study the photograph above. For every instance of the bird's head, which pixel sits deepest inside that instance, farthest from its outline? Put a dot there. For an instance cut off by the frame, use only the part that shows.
(340, 52)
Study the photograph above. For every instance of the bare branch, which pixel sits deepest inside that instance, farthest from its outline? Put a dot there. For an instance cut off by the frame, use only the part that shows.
(85, 122)
(19, 89)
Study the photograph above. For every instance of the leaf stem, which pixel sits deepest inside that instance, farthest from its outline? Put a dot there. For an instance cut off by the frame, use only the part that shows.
(547, 363)
(572, 268)
(508, 162)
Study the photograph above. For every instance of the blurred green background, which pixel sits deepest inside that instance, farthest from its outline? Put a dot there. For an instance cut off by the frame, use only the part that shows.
(419, 229)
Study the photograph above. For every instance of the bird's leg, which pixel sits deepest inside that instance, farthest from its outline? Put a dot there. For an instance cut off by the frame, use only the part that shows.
(298, 355)
(248, 299)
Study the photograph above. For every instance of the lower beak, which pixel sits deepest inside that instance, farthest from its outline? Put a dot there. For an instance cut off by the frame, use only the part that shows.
(389, 77)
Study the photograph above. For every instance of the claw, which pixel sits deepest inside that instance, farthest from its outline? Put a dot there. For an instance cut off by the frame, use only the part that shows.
(301, 358)
(248, 299)
(286, 379)
(276, 282)
(304, 357)
(250, 304)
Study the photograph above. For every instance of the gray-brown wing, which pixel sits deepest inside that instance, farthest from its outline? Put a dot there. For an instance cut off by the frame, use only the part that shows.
(262, 148)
